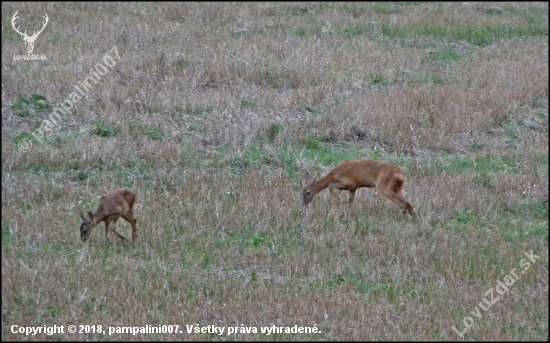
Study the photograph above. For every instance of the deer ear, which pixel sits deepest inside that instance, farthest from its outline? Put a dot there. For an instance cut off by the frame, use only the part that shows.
(90, 215)
(307, 179)
(82, 216)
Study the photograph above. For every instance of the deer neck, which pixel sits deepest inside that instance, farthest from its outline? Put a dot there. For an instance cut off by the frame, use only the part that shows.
(96, 219)
(318, 186)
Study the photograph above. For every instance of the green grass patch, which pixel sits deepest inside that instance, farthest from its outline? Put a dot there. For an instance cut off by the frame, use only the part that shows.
(198, 110)
(287, 156)
(24, 106)
(481, 164)
(480, 35)
(103, 129)
(247, 238)
(378, 80)
(393, 291)
(357, 29)
(6, 236)
(247, 104)
(525, 221)
(329, 154)
(466, 218)
(239, 32)
(387, 8)
(273, 131)
(155, 133)
(445, 56)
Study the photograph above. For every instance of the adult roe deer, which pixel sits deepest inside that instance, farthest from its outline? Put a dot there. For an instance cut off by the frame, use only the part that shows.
(350, 175)
(118, 203)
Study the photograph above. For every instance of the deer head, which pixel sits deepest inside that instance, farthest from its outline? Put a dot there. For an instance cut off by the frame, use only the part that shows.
(29, 40)
(86, 226)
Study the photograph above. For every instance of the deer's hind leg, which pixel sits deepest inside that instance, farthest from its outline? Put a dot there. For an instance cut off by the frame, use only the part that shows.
(393, 192)
(110, 224)
(129, 217)
(398, 199)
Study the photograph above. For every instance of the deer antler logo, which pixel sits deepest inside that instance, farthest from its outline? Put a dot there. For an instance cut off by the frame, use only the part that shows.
(29, 40)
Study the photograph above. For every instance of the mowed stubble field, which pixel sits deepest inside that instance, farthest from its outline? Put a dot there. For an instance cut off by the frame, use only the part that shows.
(213, 113)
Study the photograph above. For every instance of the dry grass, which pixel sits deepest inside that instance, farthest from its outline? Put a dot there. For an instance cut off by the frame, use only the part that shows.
(213, 113)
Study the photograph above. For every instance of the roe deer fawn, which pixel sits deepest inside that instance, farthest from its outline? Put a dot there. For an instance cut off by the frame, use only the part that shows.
(350, 175)
(118, 203)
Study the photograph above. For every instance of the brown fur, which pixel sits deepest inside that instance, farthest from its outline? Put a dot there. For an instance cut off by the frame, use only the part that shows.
(350, 175)
(118, 203)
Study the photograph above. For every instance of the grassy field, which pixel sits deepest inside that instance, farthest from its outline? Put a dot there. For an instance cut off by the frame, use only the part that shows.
(212, 112)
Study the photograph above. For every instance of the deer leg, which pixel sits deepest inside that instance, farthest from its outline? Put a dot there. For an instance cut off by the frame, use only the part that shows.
(351, 197)
(401, 202)
(350, 209)
(109, 222)
(113, 229)
(129, 217)
(333, 194)
(411, 211)
(408, 207)
(134, 229)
